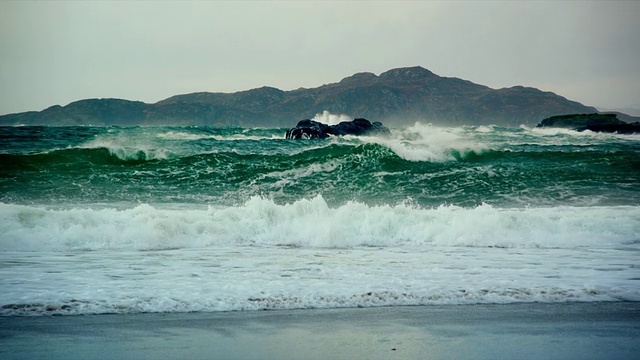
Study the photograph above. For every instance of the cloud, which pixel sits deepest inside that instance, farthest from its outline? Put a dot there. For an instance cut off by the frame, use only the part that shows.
(58, 52)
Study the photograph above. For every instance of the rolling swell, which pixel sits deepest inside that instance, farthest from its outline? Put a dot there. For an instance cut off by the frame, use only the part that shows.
(63, 157)
(228, 166)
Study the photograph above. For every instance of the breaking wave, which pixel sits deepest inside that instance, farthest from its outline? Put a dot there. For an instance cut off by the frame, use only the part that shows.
(312, 223)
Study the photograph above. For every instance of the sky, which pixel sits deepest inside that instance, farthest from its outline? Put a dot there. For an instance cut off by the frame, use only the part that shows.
(57, 52)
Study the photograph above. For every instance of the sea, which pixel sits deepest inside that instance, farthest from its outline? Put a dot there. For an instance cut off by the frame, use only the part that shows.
(121, 220)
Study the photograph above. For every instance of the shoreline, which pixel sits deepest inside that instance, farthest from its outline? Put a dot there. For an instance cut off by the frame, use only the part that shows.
(594, 330)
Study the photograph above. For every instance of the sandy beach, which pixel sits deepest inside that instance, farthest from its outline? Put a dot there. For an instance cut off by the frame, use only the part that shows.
(523, 331)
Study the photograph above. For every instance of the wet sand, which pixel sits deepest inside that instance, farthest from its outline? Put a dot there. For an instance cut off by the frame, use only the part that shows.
(515, 331)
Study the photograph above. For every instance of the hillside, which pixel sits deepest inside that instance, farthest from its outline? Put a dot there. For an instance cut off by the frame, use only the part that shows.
(397, 97)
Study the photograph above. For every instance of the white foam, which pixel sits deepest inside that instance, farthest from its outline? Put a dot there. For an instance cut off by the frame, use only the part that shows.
(485, 128)
(181, 135)
(584, 135)
(129, 149)
(425, 142)
(262, 255)
(254, 278)
(312, 223)
(294, 175)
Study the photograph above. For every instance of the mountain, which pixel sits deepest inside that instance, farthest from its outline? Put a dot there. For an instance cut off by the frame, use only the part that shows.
(397, 97)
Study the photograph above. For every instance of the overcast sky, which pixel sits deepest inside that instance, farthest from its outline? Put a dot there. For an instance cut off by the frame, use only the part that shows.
(56, 52)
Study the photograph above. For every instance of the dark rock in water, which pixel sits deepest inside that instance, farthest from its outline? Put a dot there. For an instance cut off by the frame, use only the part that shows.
(594, 122)
(309, 129)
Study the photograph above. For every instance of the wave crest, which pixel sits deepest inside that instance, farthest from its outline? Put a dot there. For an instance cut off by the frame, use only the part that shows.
(430, 143)
(312, 223)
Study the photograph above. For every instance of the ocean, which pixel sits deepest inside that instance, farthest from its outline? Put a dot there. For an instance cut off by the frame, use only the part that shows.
(98, 220)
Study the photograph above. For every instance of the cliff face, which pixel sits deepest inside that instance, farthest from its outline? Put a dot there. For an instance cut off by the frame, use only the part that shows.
(397, 97)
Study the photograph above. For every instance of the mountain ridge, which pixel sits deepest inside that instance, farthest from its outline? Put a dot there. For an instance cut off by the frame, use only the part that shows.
(396, 97)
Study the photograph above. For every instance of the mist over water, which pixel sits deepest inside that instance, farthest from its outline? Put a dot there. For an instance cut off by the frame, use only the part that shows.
(212, 219)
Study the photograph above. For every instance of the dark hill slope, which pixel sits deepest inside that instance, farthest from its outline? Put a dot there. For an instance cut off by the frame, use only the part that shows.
(397, 97)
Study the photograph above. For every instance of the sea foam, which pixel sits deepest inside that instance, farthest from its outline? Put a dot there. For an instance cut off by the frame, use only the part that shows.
(424, 142)
(126, 149)
(312, 223)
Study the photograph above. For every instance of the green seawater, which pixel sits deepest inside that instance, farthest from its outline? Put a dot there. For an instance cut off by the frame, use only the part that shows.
(423, 165)
(100, 220)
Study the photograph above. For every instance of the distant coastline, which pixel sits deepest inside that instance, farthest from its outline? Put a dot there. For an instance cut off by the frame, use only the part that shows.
(398, 97)
(608, 123)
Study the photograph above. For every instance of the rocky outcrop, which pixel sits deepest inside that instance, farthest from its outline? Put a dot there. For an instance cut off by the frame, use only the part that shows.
(594, 122)
(310, 129)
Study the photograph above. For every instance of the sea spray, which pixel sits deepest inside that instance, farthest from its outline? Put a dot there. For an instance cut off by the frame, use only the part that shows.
(429, 143)
(331, 119)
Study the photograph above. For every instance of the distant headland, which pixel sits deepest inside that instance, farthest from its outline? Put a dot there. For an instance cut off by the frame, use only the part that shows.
(397, 97)
(608, 123)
